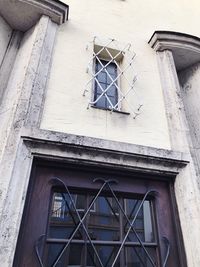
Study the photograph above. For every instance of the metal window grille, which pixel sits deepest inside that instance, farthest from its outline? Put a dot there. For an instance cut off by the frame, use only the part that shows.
(104, 54)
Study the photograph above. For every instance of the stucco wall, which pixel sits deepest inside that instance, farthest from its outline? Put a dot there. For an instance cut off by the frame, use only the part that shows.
(66, 108)
(126, 21)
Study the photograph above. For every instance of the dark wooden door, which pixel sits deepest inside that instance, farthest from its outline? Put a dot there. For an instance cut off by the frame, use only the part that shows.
(52, 215)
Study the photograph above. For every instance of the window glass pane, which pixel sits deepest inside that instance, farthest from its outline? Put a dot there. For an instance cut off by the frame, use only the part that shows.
(111, 68)
(111, 78)
(112, 91)
(106, 78)
(101, 103)
(112, 100)
(102, 77)
(100, 88)
(99, 66)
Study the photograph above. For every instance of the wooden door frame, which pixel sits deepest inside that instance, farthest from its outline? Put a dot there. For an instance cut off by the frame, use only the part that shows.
(39, 159)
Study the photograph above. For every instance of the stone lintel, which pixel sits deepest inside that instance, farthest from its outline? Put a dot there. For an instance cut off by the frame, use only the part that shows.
(91, 151)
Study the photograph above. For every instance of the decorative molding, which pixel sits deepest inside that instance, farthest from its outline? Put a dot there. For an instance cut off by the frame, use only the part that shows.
(185, 47)
(95, 151)
(23, 14)
(163, 40)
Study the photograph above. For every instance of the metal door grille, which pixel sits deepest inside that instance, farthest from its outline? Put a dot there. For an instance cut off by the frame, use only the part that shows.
(122, 212)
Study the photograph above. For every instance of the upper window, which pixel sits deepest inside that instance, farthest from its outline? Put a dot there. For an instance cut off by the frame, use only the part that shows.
(112, 77)
(106, 83)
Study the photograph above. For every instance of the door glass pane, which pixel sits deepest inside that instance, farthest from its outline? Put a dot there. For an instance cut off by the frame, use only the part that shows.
(142, 220)
(53, 252)
(136, 257)
(85, 235)
(64, 217)
(104, 222)
(107, 254)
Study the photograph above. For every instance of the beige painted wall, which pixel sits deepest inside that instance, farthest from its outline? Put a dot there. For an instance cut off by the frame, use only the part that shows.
(126, 21)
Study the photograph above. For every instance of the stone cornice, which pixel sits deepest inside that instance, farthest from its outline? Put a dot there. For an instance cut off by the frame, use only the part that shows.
(23, 14)
(149, 160)
(162, 40)
(185, 47)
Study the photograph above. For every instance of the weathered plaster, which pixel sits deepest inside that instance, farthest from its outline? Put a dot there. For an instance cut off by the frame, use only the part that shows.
(36, 48)
(186, 183)
(189, 81)
(161, 158)
(8, 61)
(173, 105)
(13, 89)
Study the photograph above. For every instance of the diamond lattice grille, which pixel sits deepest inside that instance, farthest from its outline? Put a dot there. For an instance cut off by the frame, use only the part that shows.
(124, 81)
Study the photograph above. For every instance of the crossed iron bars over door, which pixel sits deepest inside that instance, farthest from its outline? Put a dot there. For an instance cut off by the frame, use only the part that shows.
(105, 184)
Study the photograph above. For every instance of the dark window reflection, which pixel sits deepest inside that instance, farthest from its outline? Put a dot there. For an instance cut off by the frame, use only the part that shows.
(106, 80)
(107, 222)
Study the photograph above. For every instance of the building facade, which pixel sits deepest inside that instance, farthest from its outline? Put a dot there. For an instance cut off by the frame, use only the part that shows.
(99, 147)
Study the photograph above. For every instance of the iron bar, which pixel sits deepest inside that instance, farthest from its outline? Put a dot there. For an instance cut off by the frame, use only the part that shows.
(166, 241)
(37, 250)
(131, 228)
(99, 242)
(131, 224)
(81, 220)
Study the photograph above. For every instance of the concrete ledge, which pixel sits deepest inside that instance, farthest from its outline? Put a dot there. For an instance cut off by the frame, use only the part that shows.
(136, 158)
(185, 47)
(23, 14)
